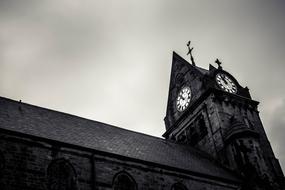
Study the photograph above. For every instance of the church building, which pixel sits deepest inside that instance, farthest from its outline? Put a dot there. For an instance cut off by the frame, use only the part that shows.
(214, 140)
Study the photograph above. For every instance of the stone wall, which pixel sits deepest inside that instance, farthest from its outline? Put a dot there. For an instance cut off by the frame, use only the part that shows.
(31, 163)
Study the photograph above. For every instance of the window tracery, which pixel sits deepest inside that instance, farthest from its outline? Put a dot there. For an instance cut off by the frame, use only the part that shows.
(61, 176)
(123, 181)
(197, 130)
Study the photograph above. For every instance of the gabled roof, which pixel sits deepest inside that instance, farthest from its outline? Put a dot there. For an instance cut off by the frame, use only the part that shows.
(189, 65)
(179, 76)
(53, 125)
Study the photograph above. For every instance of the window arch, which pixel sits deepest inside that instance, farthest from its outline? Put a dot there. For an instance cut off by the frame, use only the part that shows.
(61, 176)
(2, 163)
(123, 181)
(178, 186)
(248, 123)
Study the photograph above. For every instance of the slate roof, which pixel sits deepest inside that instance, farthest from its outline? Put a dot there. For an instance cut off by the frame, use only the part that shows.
(49, 124)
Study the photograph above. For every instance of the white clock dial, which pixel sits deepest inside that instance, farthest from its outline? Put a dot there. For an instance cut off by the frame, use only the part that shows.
(226, 83)
(183, 98)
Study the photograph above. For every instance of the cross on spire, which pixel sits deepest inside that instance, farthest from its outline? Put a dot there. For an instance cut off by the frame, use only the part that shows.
(219, 63)
(190, 52)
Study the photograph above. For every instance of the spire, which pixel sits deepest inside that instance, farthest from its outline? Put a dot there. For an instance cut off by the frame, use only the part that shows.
(190, 52)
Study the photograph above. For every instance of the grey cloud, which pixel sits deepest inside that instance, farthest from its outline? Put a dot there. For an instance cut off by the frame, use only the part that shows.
(110, 60)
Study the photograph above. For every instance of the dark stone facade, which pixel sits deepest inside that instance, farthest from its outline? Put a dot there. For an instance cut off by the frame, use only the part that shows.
(33, 163)
(223, 121)
(217, 143)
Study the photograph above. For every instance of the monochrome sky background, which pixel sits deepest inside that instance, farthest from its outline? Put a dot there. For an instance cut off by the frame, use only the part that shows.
(110, 60)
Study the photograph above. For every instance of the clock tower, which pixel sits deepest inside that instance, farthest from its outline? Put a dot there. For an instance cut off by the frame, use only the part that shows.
(211, 111)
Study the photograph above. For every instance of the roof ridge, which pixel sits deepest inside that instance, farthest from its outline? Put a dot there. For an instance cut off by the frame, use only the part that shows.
(79, 117)
(201, 153)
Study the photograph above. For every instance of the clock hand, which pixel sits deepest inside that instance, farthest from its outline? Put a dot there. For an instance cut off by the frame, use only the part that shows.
(224, 79)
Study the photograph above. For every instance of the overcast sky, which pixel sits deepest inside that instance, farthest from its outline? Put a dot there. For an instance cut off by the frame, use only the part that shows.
(110, 60)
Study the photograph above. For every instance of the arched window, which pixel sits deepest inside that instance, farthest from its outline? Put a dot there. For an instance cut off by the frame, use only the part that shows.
(2, 163)
(202, 126)
(61, 176)
(178, 186)
(123, 181)
(248, 123)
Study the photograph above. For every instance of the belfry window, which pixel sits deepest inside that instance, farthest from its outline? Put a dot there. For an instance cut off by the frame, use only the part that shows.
(123, 181)
(178, 186)
(202, 126)
(61, 176)
(197, 130)
(248, 123)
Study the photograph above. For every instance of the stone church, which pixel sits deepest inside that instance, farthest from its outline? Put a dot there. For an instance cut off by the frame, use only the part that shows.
(214, 140)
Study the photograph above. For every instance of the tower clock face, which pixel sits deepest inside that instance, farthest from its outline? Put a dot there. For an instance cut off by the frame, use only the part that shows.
(226, 83)
(183, 98)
